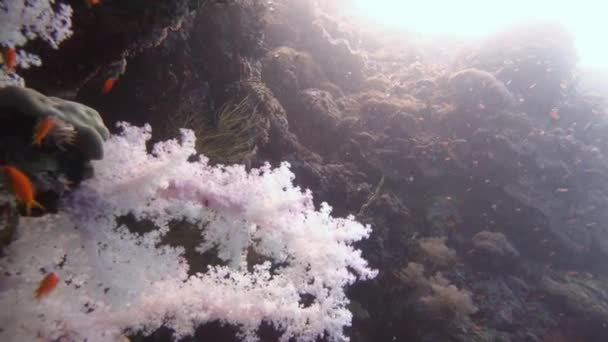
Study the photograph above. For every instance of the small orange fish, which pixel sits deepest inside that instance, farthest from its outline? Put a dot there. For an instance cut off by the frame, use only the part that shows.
(554, 114)
(10, 58)
(107, 85)
(22, 187)
(43, 128)
(47, 285)
(92, 2)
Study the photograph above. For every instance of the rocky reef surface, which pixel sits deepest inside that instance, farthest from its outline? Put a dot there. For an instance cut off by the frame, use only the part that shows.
(480, 166)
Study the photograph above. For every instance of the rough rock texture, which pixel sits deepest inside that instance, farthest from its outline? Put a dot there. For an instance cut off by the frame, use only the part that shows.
(492, 251)
(493, 149)
(477, 89)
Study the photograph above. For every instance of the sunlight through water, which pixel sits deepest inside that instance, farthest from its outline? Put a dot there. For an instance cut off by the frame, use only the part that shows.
(584, 19)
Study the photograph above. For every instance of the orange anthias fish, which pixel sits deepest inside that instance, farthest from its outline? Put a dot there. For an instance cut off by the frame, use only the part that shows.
(10, 58)
(22, 187)
(107, 85)
(47, 285)
(554, 114)
(43, 128)
(92, 2)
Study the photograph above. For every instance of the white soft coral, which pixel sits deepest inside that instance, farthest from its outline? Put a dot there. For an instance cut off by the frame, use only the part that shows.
(118, 281)
(24, 20)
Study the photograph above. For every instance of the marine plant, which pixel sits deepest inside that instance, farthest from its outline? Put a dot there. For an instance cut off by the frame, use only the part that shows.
(230, 135)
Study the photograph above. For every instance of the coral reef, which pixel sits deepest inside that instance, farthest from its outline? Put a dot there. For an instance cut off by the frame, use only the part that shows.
(114, 280)
(480, 165)
(22, 21)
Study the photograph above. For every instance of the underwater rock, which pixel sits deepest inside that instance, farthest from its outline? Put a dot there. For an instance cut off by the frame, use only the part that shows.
(157, 80)
(507, 301)
(104, 34)
(379, 83)
(475, 89)
(342, 65)
(393, 224)
(287, 71)
(314, 118)
(560, 180)
(375, 104)
(90, 130)
(227, 45)
(302, 25)
(424, 81)
(358, 310)
(287, 22)
(345, 186)
(282, 77)
(443, 216)
(584, 297)
(492, 251)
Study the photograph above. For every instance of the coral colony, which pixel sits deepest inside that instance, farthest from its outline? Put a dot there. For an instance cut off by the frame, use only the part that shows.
(22, 21)
(115, 282)
(81, 274)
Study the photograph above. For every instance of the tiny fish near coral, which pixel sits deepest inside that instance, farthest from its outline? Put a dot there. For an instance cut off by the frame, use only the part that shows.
(47, 285)
(62, 132)
(42, 129)
(9, 56)
(22, 187)
(108, 85)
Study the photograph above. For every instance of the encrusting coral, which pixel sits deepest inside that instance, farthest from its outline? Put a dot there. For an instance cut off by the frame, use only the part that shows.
(86, 121)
